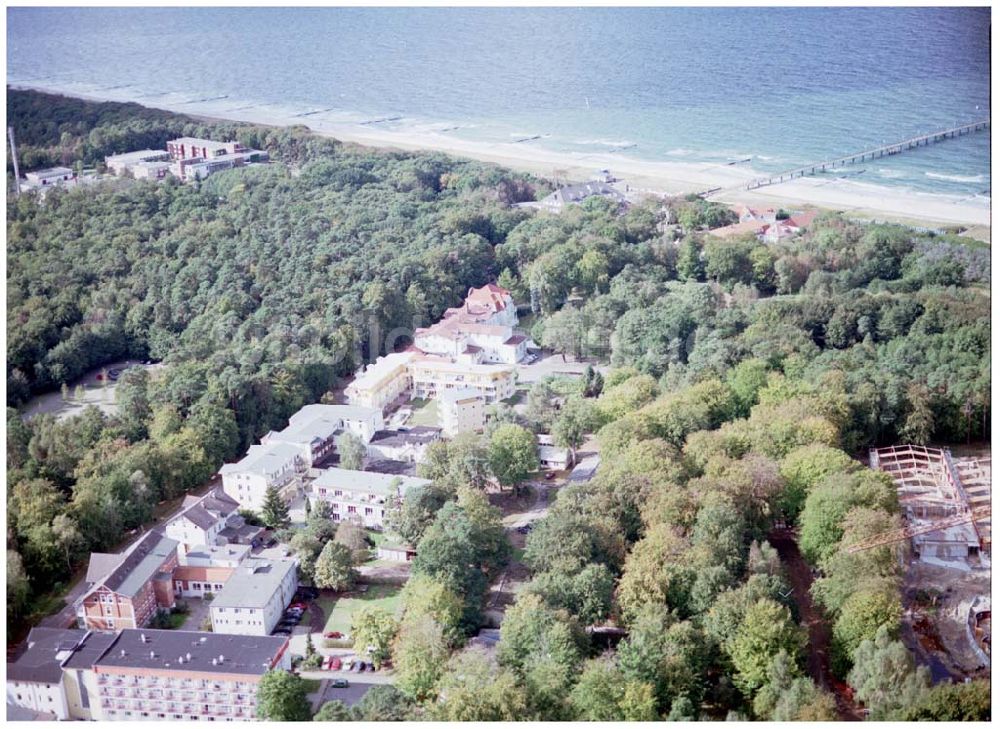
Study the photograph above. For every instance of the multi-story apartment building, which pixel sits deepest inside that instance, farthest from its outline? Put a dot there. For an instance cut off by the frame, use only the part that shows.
(273, 464)
(198, 158)
(314, 429)
(471, 341)
(211, 520)
(383, 383)
(254, 598)
(361, 495)
(461, 410)
(434, 377)
(142, 675)
(183, 676)
(127, 589)
(35, 679)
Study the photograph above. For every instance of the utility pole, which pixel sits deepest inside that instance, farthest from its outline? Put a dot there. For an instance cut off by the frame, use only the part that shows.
(13, 154)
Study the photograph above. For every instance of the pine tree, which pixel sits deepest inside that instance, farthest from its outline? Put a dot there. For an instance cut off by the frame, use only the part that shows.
(274, 513)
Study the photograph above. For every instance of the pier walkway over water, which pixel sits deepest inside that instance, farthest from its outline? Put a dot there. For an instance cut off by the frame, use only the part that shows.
(885, 150)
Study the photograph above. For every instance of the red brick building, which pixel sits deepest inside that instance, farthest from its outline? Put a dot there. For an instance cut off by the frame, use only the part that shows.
(127, 589)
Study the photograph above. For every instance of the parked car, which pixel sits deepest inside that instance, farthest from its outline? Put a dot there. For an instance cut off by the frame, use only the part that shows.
(282, 630)
(333, 634)
(550, 475)
(298, 606)
(360, 667)
(339, 683)
(370, 667)
(334, 664)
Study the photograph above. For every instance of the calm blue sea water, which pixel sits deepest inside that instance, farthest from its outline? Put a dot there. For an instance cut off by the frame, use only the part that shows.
(782, 86)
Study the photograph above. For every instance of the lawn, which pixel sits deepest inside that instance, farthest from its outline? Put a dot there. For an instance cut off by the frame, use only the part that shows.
(425, 412)
(339, 610)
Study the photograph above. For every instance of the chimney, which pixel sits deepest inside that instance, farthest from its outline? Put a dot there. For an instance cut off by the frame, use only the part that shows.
(180, 660)
(123, 652)
(152, 654)
(189, 656)
(142, 637)
(221, 658)
(215, 661)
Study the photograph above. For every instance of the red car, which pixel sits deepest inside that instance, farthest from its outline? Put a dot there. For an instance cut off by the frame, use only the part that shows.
(333, 634)
(334, 664)
(298, 605)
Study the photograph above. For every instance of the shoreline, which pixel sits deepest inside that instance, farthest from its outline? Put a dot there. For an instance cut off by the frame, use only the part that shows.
(856, 199)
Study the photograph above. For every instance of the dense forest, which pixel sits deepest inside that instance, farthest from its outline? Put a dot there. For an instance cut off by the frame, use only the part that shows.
(746, 379)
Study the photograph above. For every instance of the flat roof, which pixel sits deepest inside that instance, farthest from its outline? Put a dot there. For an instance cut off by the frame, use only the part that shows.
(334, 412)
(382, 484)
(381, 368)
(263, 459)
(473, 368)
(137, 156)
(201, 142)
(417, 435)
(41, 660)
(246, 589)
(185, 650)
(460, 394)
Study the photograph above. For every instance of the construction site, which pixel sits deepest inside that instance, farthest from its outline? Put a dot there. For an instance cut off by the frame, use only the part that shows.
(945, 504)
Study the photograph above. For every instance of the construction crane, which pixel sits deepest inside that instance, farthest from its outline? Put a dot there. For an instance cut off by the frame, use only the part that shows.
(879, 540)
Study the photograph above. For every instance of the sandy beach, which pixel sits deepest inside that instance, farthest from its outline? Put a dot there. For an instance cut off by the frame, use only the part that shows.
(848, 194)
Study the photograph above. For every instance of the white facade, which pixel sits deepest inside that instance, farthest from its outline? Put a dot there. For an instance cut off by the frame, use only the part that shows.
(255, 597)
(361, 495)
(120, 163)
(454, 337)
(432, 378)
(49, 698)
(278, 464)
(382, 382)
(553, 457)
(461, 411)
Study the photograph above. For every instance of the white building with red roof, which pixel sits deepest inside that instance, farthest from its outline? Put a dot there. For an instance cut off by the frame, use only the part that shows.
(490, 304)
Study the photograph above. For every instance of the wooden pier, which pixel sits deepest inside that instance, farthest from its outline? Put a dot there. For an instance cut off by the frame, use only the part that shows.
(869, 154)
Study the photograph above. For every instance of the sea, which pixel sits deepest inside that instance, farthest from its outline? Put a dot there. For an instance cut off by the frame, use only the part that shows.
(768, 88)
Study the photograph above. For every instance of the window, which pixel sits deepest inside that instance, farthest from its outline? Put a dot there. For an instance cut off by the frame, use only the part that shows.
(368, 511)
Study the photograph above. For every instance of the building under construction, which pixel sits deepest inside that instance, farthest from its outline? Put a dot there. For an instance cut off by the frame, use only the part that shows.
(946, 503)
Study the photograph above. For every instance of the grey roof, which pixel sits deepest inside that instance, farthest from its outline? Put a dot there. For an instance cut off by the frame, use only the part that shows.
(166, 650)
(418, 435)
(246, 589)
(241, 535)
(263, 459)
(585, 469)
(367, 481)
(387, 465)
(94, 646)
(46, 648)
(580, 192)
(333, 412)
(200, 517)
(462, 393)
(20, 713)
(101, 564)
(134, 568)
